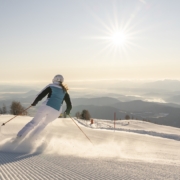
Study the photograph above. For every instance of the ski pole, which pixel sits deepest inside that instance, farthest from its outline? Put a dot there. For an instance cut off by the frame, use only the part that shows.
(81, 129)
(3, 124)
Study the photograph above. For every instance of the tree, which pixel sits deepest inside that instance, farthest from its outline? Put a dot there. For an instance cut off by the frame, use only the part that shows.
(127, 117)
(78, 115)
(4, 109)
(17, 109)
(85, 115)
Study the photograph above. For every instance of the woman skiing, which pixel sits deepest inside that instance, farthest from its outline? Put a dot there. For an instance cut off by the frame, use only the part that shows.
(50, 109)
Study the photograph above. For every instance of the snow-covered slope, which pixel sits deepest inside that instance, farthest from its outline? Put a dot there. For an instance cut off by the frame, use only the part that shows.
(63, 152)
(135, 126)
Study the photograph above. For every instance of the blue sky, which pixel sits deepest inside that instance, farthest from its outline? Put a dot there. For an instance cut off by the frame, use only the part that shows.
(75, 38)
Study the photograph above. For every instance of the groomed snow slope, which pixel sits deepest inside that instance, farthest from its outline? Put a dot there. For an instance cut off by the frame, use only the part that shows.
(63, 152)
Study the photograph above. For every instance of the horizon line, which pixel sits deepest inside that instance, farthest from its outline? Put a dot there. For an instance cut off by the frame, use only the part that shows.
(93, 80)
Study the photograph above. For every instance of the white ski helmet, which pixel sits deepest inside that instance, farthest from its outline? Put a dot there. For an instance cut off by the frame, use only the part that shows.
(57, 79)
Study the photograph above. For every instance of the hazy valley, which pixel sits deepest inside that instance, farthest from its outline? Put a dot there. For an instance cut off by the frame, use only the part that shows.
(158, 102)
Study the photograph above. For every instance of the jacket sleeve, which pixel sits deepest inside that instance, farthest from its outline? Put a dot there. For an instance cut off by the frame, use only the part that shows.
(41, 95)
(68, 103)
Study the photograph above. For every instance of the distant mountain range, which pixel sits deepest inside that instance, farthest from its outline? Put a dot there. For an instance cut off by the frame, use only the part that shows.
(105, 107)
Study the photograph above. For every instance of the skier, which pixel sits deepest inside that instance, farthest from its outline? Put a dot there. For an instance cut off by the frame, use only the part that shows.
(50, 109)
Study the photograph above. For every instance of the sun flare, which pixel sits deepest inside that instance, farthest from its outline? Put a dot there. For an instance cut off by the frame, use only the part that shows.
(118, 38)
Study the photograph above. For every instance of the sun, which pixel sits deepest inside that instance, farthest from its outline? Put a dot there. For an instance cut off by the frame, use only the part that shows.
(118, 38)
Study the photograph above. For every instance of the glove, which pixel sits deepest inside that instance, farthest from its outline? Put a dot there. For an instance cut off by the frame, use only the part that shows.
(33, 104)
(67, 112)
